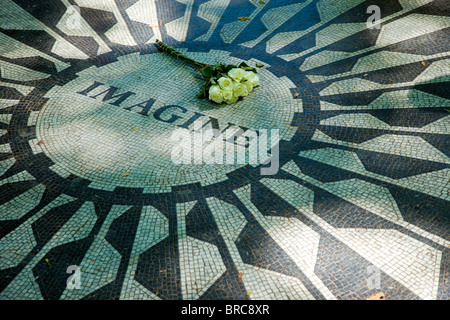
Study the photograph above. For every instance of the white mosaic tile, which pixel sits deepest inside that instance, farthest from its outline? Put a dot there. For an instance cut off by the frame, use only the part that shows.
(212, 11)
(231, 30)
(355, 120)
(274, 18)
(21, 241)
(407, 260)
(177, 28)
(200, 262)
(21, 176)
(401, 145)
(23, 287)
(328, 10)
(100, 264)
(6, 103)
(14, 72)
(145, 11)
(368, 196)
(6, 164)
(415, 184)
(400, 30)
(153, 228)
(16, 245)
(14, 49)
(20, 205)
(366, 120)
(264, 284)
(407, 146)
(137, 291)
(80, 28)
(24, 90)
(389, 26)
(17, 18)
(119, 33)
(298, 240)
(435, 183)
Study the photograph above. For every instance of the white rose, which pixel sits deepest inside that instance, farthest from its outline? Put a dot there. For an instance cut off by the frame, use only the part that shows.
(236, 74)
(249, 76)
(255, 81)
(249, 85)
(240, 89)
(233, 99)
(215, 94)
(227, 94)
(225, 83)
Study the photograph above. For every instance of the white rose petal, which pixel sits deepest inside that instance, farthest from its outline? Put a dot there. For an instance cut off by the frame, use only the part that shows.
(240, 89)
(255, 81)
(233, 99)
(215, 94)
(236, 74)
(249, 76)
(225, 83)
(249, 85)
(227, 94)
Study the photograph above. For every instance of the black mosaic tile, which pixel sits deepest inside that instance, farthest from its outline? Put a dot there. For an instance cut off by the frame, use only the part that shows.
(348, 274)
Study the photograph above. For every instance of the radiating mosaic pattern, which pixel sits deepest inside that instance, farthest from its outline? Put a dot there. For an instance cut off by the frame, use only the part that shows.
(87, 107)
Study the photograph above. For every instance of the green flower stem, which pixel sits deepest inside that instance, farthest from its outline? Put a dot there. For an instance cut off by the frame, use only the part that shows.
(164, 47)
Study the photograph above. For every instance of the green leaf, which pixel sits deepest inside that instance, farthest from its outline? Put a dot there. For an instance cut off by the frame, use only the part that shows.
(218, 68)
(199, 95)
(259, 65)
(207, 72)
(229, 67)
(246, 67)
(202, 93)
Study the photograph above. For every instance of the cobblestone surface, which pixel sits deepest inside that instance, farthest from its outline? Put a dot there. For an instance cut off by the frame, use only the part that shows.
(88, 107)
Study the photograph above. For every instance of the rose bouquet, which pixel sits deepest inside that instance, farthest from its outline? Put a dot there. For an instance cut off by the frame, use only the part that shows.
(223, 83)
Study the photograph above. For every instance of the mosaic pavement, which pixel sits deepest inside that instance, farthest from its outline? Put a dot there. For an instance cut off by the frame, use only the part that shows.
(86, 179)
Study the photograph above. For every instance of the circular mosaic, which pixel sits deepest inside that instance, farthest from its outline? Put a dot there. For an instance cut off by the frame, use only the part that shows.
(93, 206)
(131, 130)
